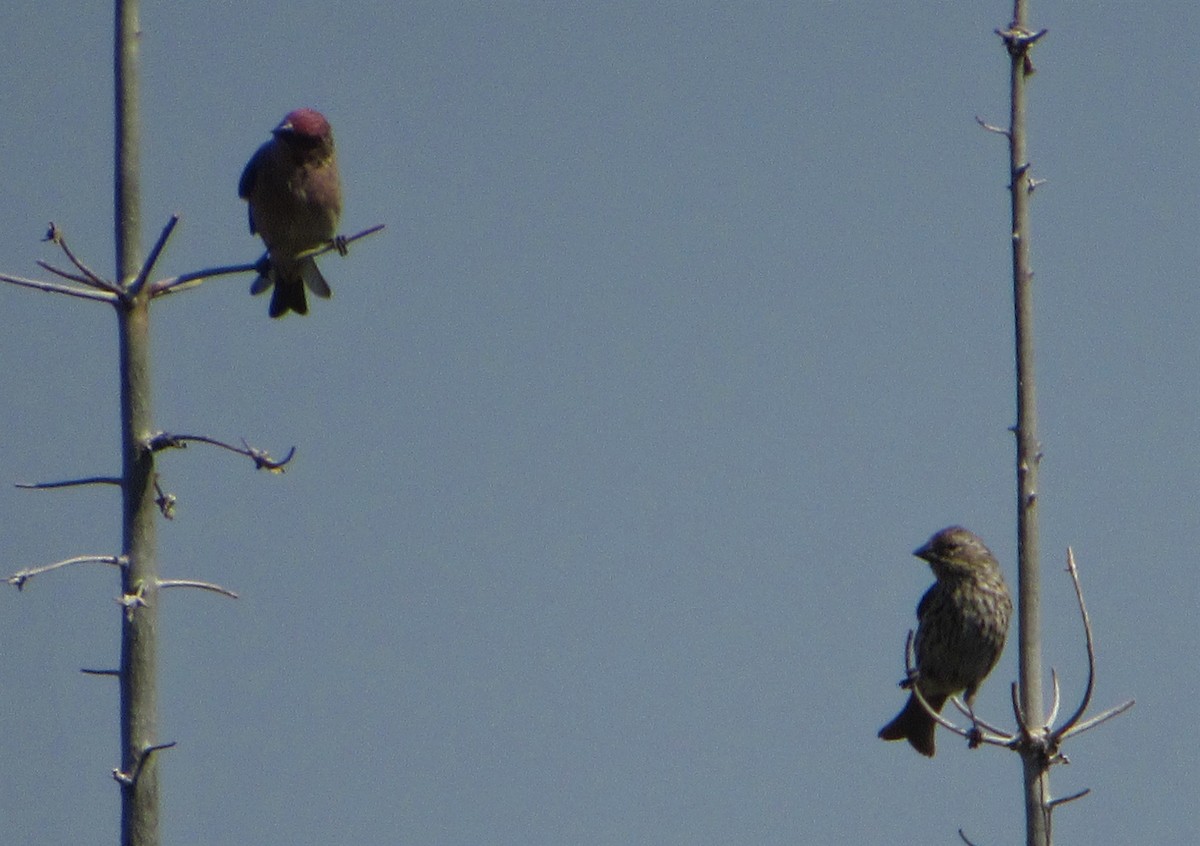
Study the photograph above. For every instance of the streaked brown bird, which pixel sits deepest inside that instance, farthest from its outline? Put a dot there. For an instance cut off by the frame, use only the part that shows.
(962, 621)
(295, 197)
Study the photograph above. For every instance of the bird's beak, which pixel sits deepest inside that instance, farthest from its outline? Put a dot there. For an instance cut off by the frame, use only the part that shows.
(925, 552)
(286, 126)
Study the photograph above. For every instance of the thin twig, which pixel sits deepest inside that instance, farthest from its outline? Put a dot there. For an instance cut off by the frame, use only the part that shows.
(1057, 699)
(192, 583)
(1062, 800)
(261, 458)
(152, 259)
(73, 277)
(176, 284)
(1066, 727)
(19, 578)
(999, 130)
(1018, 714)
(967, 712)
(55, 288)
(69, 483)
(55, 236)
(92, 672)
(185, 281)
(1104, 717)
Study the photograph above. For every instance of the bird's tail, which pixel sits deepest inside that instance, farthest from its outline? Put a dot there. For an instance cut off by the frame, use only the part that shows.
(914, 724)
(289, 281)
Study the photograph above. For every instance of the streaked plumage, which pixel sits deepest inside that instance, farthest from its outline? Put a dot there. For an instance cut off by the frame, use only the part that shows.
(962, 623)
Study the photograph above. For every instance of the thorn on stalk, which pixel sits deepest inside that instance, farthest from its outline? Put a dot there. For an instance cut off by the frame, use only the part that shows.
(164, 500)
(130, 602)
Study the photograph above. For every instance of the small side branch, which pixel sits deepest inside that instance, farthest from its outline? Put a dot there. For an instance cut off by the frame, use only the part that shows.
(69, 483)
(152, 259)
(19, 578)
(192, 583)
(185, 281)
(165, 501)
(999, 130)
(56, 288)
(1062, 800)
(55, 236)
(1072, 726)
(1091, 649)
(261, 458)
(130, 779)
(176, 284)
(92, 672)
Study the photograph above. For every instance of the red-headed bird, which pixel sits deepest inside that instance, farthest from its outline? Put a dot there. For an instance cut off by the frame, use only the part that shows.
(295, 197)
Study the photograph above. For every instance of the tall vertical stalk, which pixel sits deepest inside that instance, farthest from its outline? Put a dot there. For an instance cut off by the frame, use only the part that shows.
(139, 628)
(1036, 771)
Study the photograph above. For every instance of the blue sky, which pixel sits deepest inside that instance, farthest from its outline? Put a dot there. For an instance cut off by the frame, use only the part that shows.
(689, 323)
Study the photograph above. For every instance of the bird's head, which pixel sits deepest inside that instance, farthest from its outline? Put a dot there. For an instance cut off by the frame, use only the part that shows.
(955, 552)
(304, 125)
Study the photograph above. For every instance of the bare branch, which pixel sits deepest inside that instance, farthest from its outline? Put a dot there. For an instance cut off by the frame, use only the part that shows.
(1062, 800)
(55, 288)
(261, 458)
(91, 672)
(192, 583)
(19, 578)
(69, 483)
(176, 284)
(999, 130)
(1104, 717)
(55, 236)
(152, 259)
(964, 838)
(1057, 699)
(970, 715)
(1066, 727)
(185, 281)
(73, 277)
(1018, 714)
(341, 242)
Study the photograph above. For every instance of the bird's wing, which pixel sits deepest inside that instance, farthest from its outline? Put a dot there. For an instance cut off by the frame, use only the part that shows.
(249, 177)
(925, 600)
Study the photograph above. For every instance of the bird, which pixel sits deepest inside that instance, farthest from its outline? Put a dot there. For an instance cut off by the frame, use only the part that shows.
(962, 623)
(294, 194)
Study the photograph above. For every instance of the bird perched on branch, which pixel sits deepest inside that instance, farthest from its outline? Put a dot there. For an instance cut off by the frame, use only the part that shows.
(962, 623)
(295, 196)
